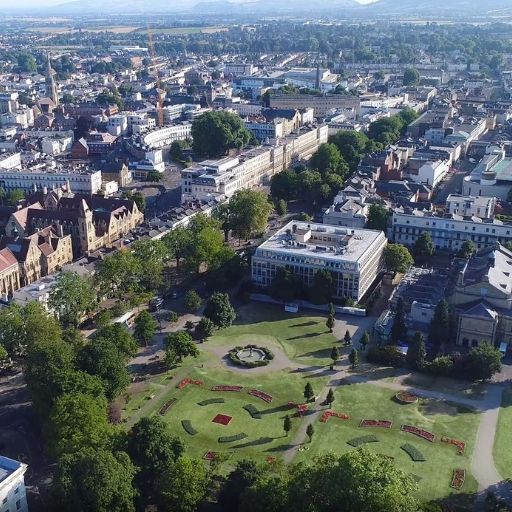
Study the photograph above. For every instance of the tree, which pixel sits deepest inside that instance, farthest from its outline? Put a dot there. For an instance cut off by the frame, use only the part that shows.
(398, 258)
(192, 301)
(328, 159)
(244, 475)
(335, 355)
(178, 243)
(424, 247)
(94, 481)
(331, 310)
(411, 77)
(310, 430)
(137, 198)
(71, 297)
(219, 310)
(119, 274)
(284, 285)
(399, 328)
(177, 148)
(204, 328)
(281, 207)
(183, 485)
(154, 176)
(323, 287)
(78, 421)
(378, 217)
(354, 358)
(416, 352)
(439, 329)
(483, 362)
(207, 245)
(352, 145)
(308, 391)
(15, 196)
(150, 256)
(4, 357)
(330, 397)
(153, 449)
(119, 337)
(285, 185)
(179, 345)
(145, 328)
(216, 132)
(365, 340)
(331, 321)
(287, 424)
(347, 338)
(26, 63)
(467, 249)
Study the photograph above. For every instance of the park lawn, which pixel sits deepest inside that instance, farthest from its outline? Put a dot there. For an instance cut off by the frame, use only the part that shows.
(502, 452)
(365, 401)
(303, 338)
(265, 436)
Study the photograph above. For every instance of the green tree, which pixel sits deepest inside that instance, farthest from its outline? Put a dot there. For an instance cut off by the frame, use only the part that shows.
(287, 424)
(354, 358)
(244, 475)
(439, 329)
(323, 287)
(399, 328)
(94, 480)
(119, 337)
(328, 159)
(331, 310)
(4, 357)
(285, 185)
(26, 63)
(378, 217)
(216, 132)
(183, 485)
(330, 397)
(308, 391)
(330, 323)
(207, 245)
(467, 249)
(179, 345)
(398, 258)
(177, 148)
(416, 352)
(219, 310)
(281, 207)
(150, 256)
(310, 431)
(137, 198)
(145, 328)
(119, 274)
(347, 338)
(424, 247)
(15, 196)
(411, 77)
(204, 328)
(77, 422)
(335, 355)
(71, 298)
(178, 244)
(284, 285)
(153, 449)
(365, 340)
(353, 146)
(192, 301)
(154, 176)
(483, 362)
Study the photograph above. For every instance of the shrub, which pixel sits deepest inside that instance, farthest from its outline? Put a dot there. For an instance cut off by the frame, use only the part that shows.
(204, 328)
(442, 365)
(173, 317)
(189, 429)
(253, 411)
(413, 452)
(211, 401)
(359, 441)
(192, 301)
(388, 355)
(230, 439)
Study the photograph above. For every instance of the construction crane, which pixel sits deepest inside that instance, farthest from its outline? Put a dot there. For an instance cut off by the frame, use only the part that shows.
(159, 99)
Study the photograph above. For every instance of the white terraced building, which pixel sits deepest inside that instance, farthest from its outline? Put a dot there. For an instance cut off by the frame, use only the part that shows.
(13, 494)
(354, 256)
(218, 179)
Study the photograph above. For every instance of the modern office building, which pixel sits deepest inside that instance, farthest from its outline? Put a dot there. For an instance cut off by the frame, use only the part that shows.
(354, 256)
(13, 494)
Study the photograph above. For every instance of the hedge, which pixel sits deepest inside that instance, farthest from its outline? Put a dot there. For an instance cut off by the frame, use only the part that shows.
(211, 401)
(189, 429)
(359, 441)
(250, 364)
(388, 355)
(413, 452)
(253, 411)
(230, 439)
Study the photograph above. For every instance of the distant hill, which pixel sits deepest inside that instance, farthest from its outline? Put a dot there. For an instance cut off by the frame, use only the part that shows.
(444, 6)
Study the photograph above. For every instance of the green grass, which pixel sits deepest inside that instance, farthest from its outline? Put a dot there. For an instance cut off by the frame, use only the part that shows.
(303, 338)
(456, 387)
(365, 401)
(502, 452)
(265, 436)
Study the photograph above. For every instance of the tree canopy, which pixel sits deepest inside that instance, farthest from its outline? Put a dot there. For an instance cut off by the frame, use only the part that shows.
(398, 258)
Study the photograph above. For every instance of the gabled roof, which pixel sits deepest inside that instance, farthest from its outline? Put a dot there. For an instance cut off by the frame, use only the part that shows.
(480, 310)
(7, 259)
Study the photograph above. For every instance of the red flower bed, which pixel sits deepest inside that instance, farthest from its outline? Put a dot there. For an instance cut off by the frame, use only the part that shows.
(222, 419)
(428, 436)
(271, 460)
(458, 479)
(331, 414)
(210, 456)
(261, 394)
(185, 382)
(405, 397)
(227, 388)
(376, 423)
(460, 445)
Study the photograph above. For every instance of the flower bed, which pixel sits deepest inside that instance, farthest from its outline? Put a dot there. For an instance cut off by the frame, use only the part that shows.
(376, 423)
(185, 382)
(359, 441)
(458, 479)
(404, 397)
(227, 388)
(428, 436)
(255, 414)
(262, 395)
(211, 401)
(460, 445)
(222, 419)
(209, 456)
(230, 439)
(189, 429)
(167, 406)
(413, 452)
(331, 414)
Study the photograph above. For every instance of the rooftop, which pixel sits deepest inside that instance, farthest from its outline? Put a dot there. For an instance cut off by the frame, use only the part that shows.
(8, 467)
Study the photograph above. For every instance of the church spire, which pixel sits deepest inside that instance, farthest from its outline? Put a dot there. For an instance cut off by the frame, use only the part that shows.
(51, 86)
